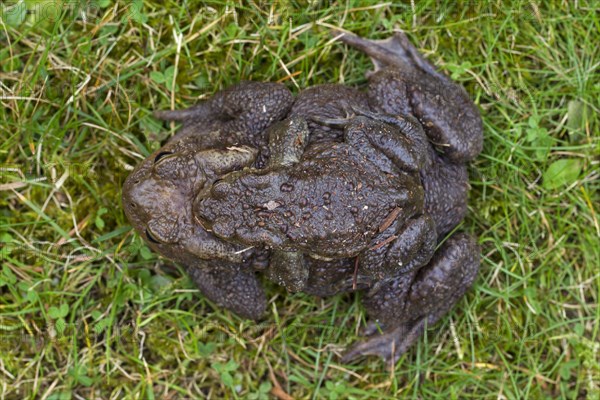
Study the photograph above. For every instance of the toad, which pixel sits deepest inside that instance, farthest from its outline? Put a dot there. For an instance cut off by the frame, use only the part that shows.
(334, 200)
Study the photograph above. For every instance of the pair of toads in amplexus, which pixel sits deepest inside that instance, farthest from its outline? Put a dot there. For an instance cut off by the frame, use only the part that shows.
(337, 189)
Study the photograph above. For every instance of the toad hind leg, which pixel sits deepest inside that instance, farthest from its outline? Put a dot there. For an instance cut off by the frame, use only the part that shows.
(435, 289)
(407, 146)
(410, 247)
(405, 82)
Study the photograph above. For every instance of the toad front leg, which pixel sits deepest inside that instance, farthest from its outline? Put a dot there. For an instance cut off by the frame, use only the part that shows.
(399, 140)
(231, 287)
(409, 303)
(236, 115)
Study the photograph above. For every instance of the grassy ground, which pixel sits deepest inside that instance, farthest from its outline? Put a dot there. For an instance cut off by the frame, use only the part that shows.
(87, 311)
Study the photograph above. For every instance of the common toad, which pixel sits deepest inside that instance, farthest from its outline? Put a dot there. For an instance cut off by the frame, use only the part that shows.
(334, 200)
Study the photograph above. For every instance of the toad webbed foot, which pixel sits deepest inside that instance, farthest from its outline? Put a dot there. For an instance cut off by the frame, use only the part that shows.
(407, 304)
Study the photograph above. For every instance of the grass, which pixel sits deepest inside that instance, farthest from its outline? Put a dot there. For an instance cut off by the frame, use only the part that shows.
(87, 311)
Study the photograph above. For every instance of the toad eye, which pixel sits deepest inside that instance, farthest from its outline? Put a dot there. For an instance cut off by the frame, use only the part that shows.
(151, 238)
(161, 156)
